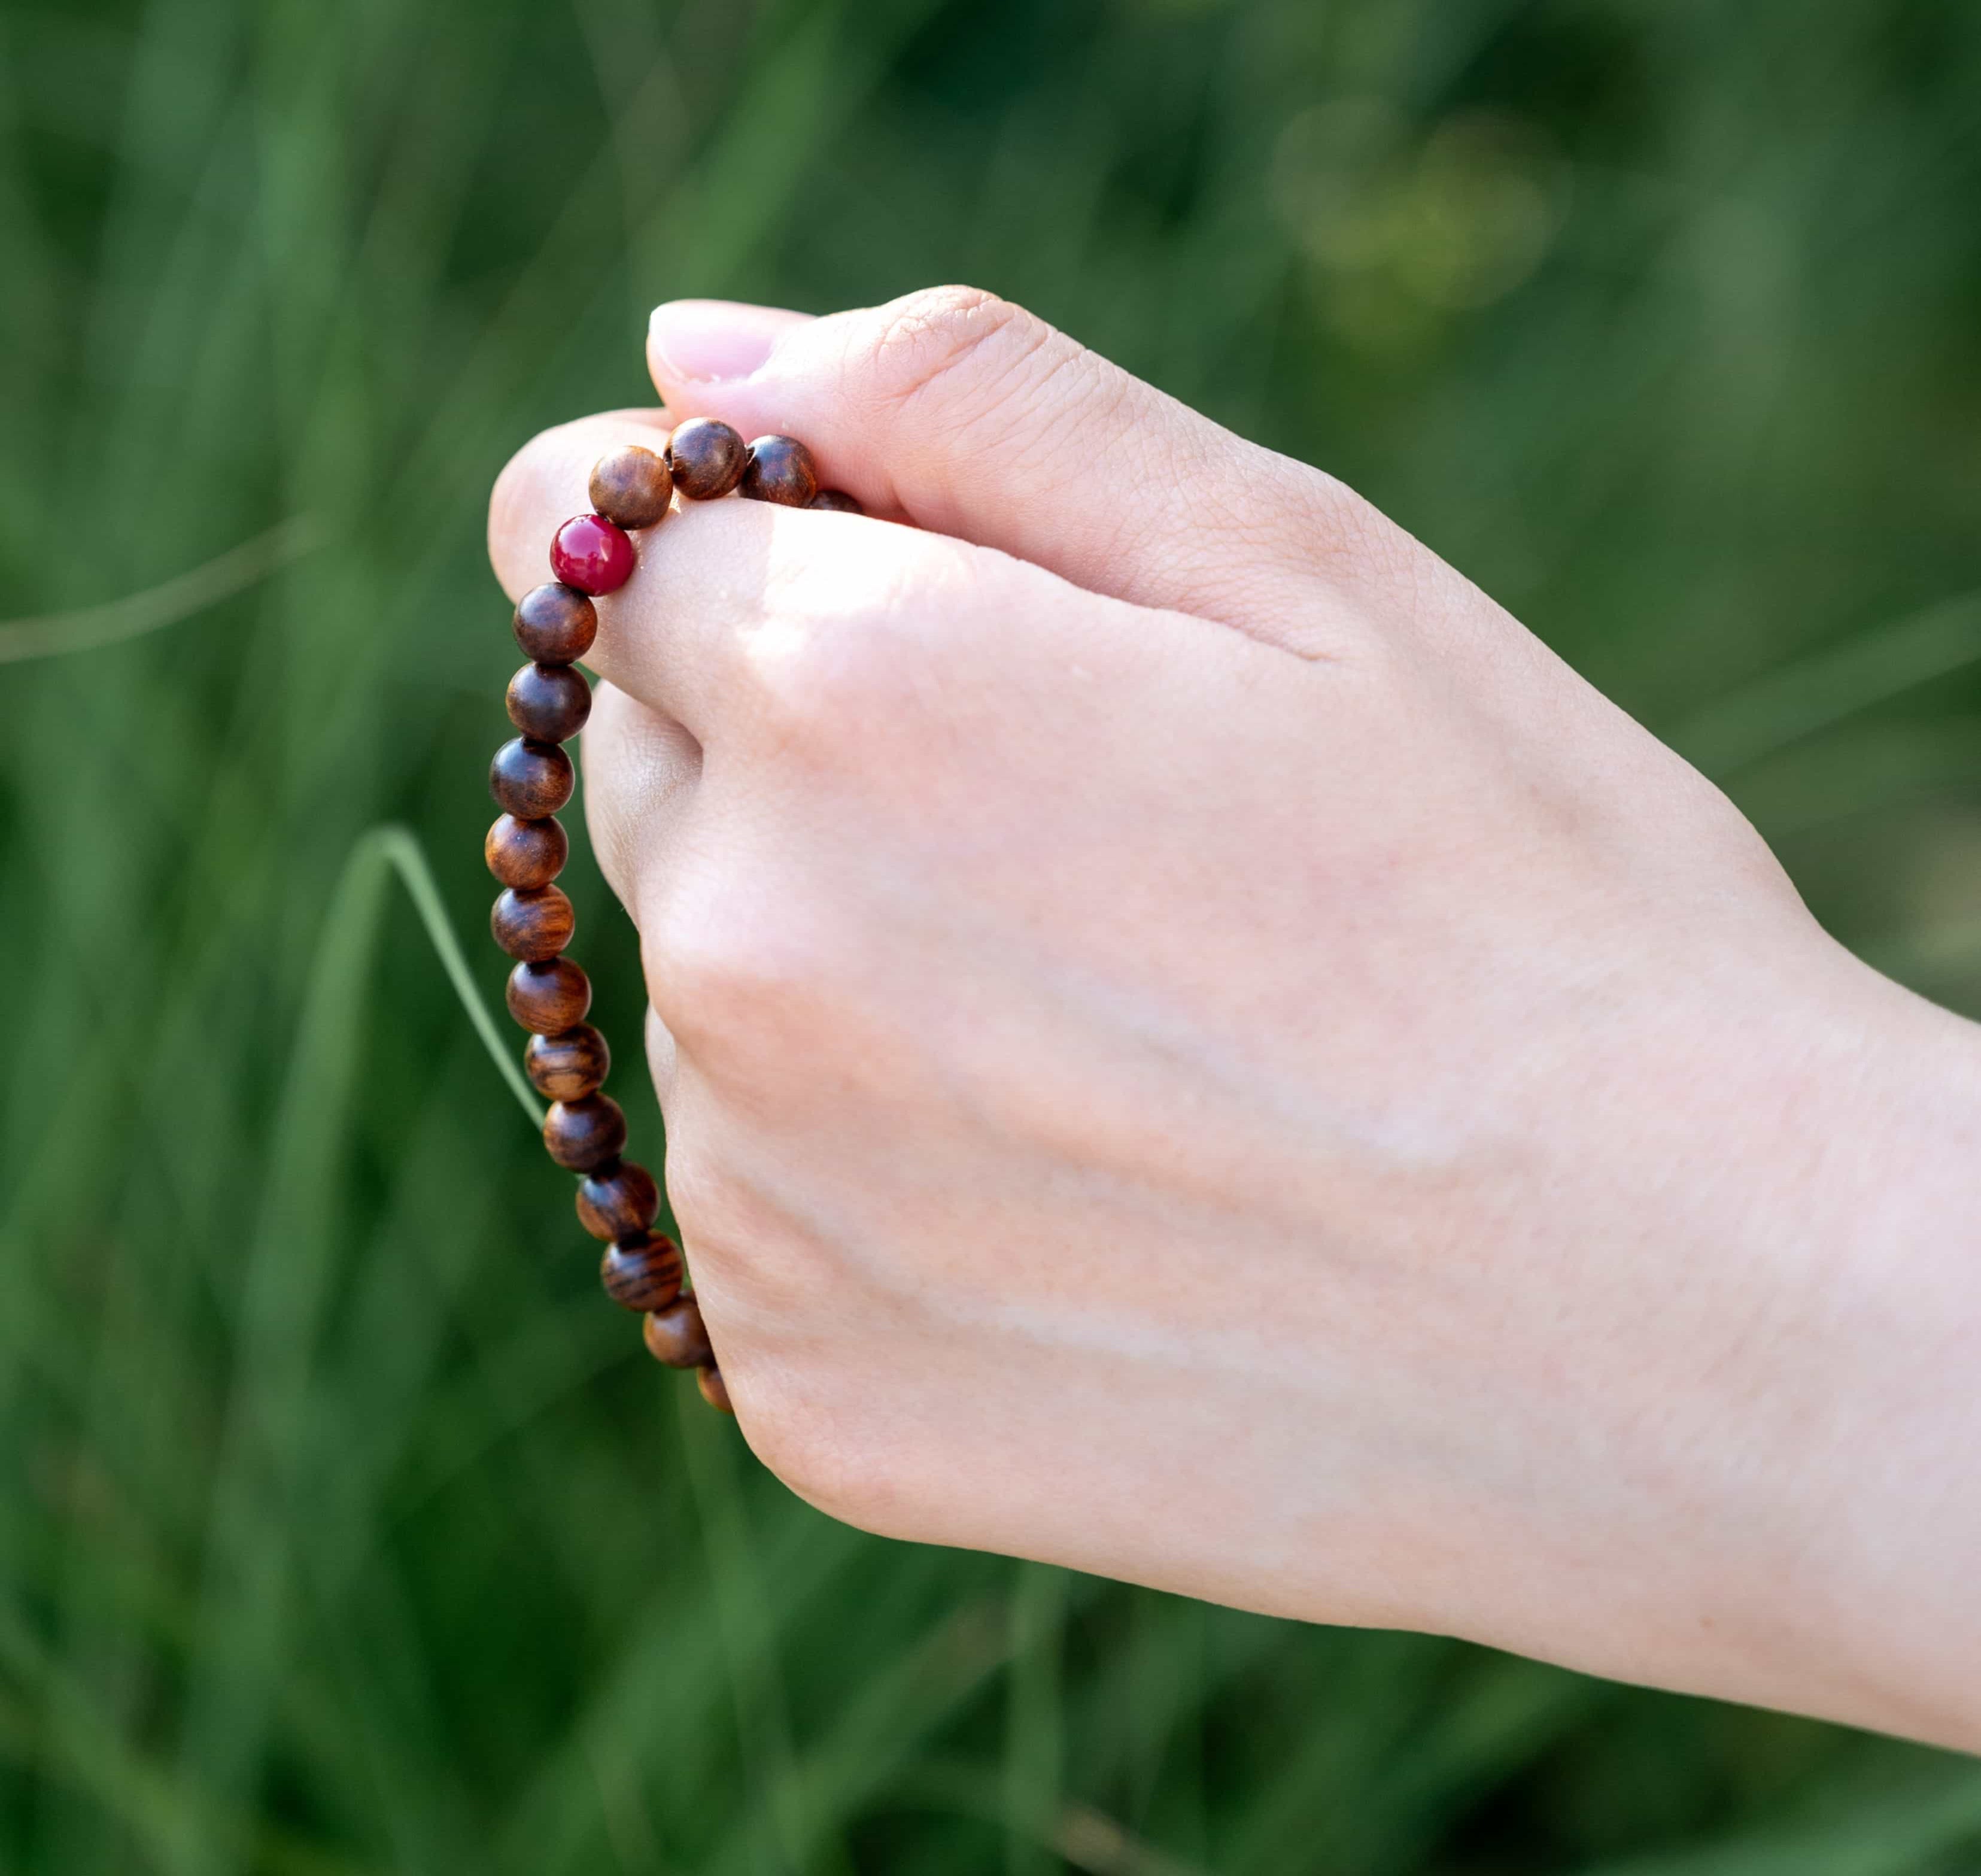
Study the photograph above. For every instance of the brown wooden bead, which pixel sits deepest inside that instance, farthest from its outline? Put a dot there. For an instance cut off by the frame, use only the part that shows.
(534, 922)
(583, 1134)
(530, 779)
(526, 853)
(642, 1274)
(707, 458)
(617, 1203)
(549, 702)
(714, 1390)
(555, 623)
(630, 487)
(781, 470)
(569, 1065)
(838, 501)
(549, 999)
(675, 1335)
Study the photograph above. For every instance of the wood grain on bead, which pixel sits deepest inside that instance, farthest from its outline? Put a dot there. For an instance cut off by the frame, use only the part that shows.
(781, 470)
(837, 500)
(549, 999)
(631, 487)
(707, 458)
(618, 1202)
(584, 1133)
(714, 1390)
(534, 922)
(549, 702)
(530, 779)
(676, 1336)
(556, 624)
(569, 1065)
(642, 1274)
(526, 853)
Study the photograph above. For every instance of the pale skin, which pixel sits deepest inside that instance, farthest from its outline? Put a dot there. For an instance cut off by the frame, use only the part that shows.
(1195, 1048)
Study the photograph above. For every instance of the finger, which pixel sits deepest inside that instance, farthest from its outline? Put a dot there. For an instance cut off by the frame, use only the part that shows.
(641, 770)
(972, 417)
(647, 646)
(727, 595)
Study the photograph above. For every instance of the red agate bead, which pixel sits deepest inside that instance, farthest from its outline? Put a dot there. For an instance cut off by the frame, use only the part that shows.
(591, 555)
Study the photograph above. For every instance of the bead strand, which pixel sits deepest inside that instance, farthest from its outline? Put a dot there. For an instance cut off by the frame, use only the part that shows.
(531, 777)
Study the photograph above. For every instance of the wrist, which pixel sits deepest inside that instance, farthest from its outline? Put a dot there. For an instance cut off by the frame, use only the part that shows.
(1812, 1492)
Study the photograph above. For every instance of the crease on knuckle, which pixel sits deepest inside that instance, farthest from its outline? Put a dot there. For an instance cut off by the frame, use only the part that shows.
(934, 341)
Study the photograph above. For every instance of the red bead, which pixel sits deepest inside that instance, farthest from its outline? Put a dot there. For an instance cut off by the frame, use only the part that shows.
(591, 555)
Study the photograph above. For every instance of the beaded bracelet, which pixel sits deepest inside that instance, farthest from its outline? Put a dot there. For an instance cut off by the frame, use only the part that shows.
(531, 777)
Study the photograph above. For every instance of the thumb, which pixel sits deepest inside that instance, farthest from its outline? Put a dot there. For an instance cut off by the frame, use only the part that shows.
(968, 416)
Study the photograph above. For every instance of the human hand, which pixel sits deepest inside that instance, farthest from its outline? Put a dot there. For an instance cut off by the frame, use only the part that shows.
(1194, 1049)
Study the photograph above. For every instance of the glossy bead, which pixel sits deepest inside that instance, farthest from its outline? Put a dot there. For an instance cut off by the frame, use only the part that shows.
(530, 779)
(556, 624)
(618, 1202)
(675, 1335)
(534, 922)
(589, 553)
(714, 1391)
(707, 458)
(642, 1274)
(580, 1134)
(550, 702)
(526, 853)
(569, 1065)
(630, 487)
(549, 998)
(838, 501)
(781, 470)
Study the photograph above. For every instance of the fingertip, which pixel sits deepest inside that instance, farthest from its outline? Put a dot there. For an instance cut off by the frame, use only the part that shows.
(709, 343)
(547, 481)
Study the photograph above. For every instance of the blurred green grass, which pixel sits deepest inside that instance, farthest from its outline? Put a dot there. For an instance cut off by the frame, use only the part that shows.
(342, 1528)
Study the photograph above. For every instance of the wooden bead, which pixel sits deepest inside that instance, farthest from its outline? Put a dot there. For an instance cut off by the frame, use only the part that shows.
(556, 624)
(526, 853)
(707, 458)
(549, 998)
(642, 1274)
(714, 1391)
(580, 1134)
(569, 1065)
(781, 470)
(631, 487)
(530, 779)
(549, 702)
(838, 501)
(675, 1335)
(617, 1203)
(534, 922)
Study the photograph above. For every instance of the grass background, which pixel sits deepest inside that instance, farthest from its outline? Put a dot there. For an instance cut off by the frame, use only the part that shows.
(343, 1528)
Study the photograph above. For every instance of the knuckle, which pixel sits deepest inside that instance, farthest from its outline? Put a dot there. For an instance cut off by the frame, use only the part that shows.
(959, 342)
(727, 971)
(830, 1460)
(856, 662)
